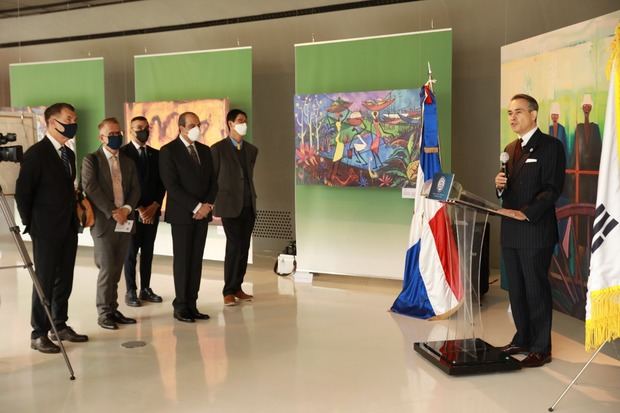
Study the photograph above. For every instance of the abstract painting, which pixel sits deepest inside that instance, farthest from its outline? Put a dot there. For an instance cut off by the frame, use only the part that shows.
(163, 118)
(358, 139)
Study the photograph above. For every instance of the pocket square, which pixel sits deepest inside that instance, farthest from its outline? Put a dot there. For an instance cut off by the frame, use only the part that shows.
(530, 160)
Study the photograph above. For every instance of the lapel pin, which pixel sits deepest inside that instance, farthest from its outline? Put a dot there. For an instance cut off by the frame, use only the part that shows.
(531, 149)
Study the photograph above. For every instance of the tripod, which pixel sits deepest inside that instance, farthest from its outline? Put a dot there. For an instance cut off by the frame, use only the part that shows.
(27, 263)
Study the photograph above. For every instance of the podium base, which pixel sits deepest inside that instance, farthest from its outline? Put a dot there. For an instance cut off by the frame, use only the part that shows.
(466, 356)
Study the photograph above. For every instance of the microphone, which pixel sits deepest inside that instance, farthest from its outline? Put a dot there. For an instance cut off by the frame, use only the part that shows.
(503, 158)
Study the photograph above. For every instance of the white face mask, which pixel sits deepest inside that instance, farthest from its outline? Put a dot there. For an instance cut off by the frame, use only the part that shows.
(194, 134)
(241, 128)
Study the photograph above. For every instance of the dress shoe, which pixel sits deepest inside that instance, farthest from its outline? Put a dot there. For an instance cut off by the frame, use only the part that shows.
(44, 345)
(197, 315)
(68, 334)
(536, 360)
(119, 318)
(147, 294)
(107, 322)
(243, 296)
(184, 316)
(131, 299)
(513, 349)
(229, 300)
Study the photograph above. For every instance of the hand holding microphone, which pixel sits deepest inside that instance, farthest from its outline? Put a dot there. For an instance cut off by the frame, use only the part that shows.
(501, 179)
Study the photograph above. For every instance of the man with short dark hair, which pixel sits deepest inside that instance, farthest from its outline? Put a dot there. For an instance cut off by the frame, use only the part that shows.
(529, 232)
(234, 160)
(110, 181)
(45, 196)
(148, 210)
(186, 169)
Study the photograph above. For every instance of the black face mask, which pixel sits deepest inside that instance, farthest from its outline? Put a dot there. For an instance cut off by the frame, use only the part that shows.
(115, 141)
(142, 135)
(70, 129)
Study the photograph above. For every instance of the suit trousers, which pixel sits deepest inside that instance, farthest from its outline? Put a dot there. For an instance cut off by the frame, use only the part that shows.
(529, 291)
(238, 236)
(110, 254)
(143, 241)
(54, 262)
(188, 245)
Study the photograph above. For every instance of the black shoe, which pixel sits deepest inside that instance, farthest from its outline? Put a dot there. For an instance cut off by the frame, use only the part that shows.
(199, 316)
(536, 360)
(44, 345)
(184, 316)
(107, 322)
(68, 334)
(131, 299)
(119, 318)
(147, 294)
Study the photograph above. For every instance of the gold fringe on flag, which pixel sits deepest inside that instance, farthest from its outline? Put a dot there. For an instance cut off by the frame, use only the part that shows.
(604, 322)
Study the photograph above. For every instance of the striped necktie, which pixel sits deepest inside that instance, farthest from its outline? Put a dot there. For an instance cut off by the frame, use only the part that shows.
(194, 154)
(64, 155)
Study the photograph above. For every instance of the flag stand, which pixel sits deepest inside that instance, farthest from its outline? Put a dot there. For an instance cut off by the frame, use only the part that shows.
(552, 408)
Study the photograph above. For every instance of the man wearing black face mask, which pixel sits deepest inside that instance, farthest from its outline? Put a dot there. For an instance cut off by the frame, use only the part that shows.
(45, 196)
(110, 181)
(148, 212)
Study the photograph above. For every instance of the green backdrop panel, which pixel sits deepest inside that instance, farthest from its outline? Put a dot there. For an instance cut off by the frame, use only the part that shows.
(364, 231)
(225, 73)
(78, 82)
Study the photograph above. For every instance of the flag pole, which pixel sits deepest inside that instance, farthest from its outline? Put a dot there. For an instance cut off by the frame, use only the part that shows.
(430, 80)
(576, 377)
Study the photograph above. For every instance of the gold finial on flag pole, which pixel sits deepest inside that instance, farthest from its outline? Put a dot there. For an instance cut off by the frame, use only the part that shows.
(430, 80)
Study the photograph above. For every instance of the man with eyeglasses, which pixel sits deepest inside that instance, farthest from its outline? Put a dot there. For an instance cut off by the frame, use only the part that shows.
(529, 189)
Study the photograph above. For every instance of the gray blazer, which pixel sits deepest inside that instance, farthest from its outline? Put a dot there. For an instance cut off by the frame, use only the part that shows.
(229, 200)
(97, 185)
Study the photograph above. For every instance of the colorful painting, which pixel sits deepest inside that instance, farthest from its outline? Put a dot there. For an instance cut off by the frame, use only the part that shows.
(358, 139)
(565, 71)
(163, 117)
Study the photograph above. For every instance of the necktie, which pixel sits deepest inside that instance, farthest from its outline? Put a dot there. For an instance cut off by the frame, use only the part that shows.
(64, 155)
(194, 154)
(143, 163)
(117, 182)
(518, 150)
(238, 145)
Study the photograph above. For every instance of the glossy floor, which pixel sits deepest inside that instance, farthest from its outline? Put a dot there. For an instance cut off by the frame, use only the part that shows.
(330, 346)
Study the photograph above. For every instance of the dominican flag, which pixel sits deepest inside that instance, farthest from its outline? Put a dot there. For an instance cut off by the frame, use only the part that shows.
(431, 286)
(603, 300)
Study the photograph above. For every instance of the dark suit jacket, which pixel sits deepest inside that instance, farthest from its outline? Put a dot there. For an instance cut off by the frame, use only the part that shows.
(45, 193)
(152, 189)
(534, 184)
(97, 185)
(229, 173)
(186, 183)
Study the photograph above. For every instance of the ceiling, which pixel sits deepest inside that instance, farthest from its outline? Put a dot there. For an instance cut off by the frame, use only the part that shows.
(14, 8)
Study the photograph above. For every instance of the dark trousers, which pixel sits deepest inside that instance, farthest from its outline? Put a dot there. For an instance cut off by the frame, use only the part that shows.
(238, 235)
(530, 296)
(143, 241)
(54, 262)
(188, 245)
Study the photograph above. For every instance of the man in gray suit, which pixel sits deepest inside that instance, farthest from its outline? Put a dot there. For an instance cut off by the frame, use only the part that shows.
(110, 181)
(233, 161)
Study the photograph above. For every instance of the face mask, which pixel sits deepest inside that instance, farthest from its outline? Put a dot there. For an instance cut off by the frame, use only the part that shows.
(115, 141)
(241, 128)
(194, 134)
(142, 135)
(70, 129)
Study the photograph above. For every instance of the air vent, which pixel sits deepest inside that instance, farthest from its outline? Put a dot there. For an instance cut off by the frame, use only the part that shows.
(273, 224)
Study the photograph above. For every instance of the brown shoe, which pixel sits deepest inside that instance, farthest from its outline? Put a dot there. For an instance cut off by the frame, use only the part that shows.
(243, 296)
(536, 360)
(513, 349)
(229, 300)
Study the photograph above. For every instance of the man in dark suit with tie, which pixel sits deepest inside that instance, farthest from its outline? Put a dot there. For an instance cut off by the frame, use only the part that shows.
(186, 169)
(110, 182)
(529, 189)
(234, 160)
(148, 210)
(46, 200)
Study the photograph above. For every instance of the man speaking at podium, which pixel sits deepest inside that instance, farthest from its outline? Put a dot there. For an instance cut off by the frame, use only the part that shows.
(529, 186)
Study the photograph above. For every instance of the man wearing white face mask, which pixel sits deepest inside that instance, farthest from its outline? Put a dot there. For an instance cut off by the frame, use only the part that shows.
(186, 169)
(234, 160)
